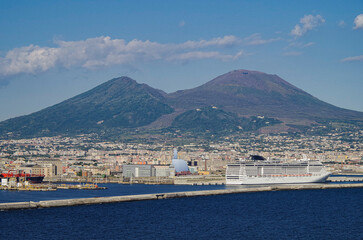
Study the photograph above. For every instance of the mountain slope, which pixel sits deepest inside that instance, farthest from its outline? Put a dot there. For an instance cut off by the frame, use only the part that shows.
(217, 121)
(120, 102)
(250, 93)
(238, 100)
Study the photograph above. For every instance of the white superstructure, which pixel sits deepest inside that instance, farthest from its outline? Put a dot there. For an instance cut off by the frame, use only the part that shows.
(275, 172)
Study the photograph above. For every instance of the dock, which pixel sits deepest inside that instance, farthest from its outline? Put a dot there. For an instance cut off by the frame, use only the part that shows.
(159, 196)
(36, 187)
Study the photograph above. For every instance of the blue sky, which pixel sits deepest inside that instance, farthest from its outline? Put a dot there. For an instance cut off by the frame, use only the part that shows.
(53, 50)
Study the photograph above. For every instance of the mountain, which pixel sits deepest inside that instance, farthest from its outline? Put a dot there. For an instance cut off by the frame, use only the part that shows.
(120, 102)
(240, 100)
(250, 93)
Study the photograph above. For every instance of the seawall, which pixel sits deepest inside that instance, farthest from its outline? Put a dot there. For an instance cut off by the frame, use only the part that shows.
(156, 196)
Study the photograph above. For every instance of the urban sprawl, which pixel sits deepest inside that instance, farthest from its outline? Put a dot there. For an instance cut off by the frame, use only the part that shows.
(83, 158)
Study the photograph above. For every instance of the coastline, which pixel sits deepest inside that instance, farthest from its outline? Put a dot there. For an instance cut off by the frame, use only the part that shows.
(192, 180)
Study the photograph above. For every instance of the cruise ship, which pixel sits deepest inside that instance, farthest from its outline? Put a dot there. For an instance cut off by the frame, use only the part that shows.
(258, 170)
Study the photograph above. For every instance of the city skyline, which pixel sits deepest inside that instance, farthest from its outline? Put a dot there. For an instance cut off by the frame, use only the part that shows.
(51, 51)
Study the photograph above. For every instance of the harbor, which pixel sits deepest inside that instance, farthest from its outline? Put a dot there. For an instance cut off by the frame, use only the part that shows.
(181, 120)
(87, 184)
(160, 196)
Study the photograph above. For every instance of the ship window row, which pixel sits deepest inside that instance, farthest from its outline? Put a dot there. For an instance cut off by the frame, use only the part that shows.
(232, 177)
(281, 165)
(254, 171)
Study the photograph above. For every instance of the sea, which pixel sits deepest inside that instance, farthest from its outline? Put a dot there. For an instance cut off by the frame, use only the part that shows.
(303, 214)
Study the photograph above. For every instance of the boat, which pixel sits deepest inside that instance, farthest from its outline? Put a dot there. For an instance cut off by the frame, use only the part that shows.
(32, 178)
(256, 170)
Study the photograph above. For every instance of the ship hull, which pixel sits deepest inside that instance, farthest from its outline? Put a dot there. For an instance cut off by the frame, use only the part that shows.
(23, 177)
(243, 180)
(35, 179)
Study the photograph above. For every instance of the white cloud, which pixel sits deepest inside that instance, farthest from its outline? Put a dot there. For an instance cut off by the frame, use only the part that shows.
(182, 23)
(255, 39)
(308, 44)
(28, 59)
(219, 42)
(308, 22)
(300, 45)
(358, 21)
(353, 59)
(341, 23)
(104, 51)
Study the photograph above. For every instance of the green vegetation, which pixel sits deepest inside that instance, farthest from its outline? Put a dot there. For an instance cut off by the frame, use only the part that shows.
(122, 109)
(118, 103)
(211, 120)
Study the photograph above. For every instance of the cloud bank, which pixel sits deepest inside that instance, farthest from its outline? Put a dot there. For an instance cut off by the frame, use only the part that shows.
(104, 51)
(307, 23)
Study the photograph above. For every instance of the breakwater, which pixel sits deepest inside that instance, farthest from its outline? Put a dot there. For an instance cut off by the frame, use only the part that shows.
(156, 196)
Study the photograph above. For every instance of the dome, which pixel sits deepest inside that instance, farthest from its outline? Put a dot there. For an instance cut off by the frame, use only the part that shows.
(180, 165)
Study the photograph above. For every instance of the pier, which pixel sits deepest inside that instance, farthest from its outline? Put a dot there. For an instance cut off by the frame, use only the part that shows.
(159, 196)
(358, 178)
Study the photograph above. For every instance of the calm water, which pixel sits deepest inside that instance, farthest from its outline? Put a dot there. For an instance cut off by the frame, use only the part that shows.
(305, 214)
(112, 190)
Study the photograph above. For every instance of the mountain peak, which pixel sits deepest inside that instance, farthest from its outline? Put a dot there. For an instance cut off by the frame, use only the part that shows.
(253, 80)
(123, 79)
(125, 84)
(244, 71)
(121, 82)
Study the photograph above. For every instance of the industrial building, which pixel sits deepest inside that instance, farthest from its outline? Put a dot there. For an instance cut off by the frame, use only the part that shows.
(148, 170)
(164, 171)
(32, 169)
(53, 167)
(138, 170)
(143, 170)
